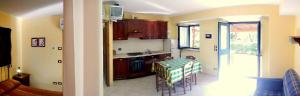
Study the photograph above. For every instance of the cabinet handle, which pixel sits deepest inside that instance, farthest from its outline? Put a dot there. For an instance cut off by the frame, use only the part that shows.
(121, 59)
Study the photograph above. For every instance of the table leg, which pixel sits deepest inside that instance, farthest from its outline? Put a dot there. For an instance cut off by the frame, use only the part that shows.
(195, 78)
(170, 91)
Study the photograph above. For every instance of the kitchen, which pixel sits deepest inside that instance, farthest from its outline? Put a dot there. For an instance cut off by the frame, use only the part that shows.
(137, 43)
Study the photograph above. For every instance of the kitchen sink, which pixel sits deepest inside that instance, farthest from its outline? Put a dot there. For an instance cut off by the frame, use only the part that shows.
(135, 53)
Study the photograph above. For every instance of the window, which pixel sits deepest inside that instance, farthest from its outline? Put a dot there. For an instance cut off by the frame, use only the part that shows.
(189, 37)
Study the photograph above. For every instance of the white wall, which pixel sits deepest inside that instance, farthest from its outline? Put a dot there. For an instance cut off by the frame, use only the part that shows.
(138, 45)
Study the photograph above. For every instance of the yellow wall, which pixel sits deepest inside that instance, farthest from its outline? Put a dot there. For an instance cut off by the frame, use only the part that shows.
(41, 62)
(208, 56)
(297, 47)
(9, 21)
(279, 51)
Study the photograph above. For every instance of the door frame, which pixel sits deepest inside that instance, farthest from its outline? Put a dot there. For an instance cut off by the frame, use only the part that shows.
(258, 42)
(219, 43)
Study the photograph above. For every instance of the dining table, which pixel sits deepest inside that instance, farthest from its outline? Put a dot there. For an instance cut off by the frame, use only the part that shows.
(174, 69)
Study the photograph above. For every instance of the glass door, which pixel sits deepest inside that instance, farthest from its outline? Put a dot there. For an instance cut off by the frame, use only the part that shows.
(245, 48)
(224, 49)
(239, 50)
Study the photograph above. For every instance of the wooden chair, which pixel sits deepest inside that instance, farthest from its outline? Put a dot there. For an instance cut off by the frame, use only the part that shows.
(161, 75)
(194, 77)
(187, 76)
(168, 58)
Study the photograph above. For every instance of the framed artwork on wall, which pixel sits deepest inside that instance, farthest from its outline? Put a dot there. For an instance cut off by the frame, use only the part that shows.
(34, 42)
(38, 42)
(41, 42)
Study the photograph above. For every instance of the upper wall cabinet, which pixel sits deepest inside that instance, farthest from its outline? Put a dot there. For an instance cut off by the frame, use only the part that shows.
(152, 30)
(156, 30)
(136, 28)
(162, 29)
(119, 30)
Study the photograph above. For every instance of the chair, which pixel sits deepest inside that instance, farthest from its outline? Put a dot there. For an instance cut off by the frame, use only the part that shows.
(194, 77)
(168, 58)
(160, 76)
(187, 76)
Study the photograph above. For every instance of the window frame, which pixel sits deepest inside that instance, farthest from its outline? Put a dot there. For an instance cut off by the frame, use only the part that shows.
(188, 36)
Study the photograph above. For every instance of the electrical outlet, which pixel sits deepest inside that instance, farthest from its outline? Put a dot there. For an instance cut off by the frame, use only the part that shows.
(54, 83)
(59, 83)
(59, 48)
(59, 61)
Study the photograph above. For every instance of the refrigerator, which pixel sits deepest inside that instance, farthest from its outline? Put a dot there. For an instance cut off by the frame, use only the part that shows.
(171, 45)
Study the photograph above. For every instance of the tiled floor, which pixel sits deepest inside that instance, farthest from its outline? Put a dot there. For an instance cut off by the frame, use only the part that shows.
(207, 86)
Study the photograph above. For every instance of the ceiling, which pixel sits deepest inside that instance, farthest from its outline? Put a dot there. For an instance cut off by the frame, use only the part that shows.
(290, 7)
(177, 7)
(26, 8)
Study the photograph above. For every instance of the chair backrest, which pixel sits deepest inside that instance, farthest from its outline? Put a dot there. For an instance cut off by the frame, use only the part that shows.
(188, 69)
(160, 70)
(190, 57)
(168, 58)
(193, 60)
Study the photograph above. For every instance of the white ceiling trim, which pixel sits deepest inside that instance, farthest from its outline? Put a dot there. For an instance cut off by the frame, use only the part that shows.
(290, 7)
(54, 9)
(178, 7)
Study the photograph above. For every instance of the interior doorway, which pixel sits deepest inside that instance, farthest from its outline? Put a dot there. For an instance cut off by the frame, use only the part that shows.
(239, 49)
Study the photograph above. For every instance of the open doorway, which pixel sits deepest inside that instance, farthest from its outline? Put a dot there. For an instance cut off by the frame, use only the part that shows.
(239, 49)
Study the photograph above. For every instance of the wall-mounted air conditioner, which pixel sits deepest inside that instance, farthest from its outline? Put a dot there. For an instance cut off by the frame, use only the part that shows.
(61, 23)
(112, 11)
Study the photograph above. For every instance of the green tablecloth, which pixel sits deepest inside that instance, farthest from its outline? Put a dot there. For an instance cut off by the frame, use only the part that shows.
(175, 68)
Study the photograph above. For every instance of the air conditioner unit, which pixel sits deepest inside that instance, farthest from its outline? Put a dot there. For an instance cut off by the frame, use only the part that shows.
(112, 11)
(116, 13)
(61, 23)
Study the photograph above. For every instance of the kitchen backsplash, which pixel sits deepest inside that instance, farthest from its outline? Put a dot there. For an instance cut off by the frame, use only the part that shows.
(137, 45)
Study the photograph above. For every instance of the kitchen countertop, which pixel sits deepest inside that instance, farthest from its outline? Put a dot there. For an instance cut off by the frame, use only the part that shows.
(126, 56)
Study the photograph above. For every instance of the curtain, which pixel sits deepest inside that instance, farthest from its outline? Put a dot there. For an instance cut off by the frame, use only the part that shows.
(5, 46)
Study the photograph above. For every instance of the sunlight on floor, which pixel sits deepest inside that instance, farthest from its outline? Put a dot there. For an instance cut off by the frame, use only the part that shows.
(231, 87)
(208, 85)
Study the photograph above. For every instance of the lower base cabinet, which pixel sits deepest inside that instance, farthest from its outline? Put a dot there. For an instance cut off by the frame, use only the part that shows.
(120, 68)
(126, 68)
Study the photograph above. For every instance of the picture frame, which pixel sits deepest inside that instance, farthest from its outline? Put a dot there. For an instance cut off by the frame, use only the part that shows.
(34, 42)
(42, 42)
(38, 42)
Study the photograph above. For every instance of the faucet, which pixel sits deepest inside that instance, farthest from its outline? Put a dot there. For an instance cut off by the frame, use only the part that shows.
(148, 51)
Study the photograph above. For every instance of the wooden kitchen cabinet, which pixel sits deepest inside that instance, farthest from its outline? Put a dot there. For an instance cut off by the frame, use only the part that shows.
(123, 67)
(119, 30)
(162, 29)
(136, 28)
(156, 30)
(148, 63)
(163, 56)
(151, 31)
(120, 68)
